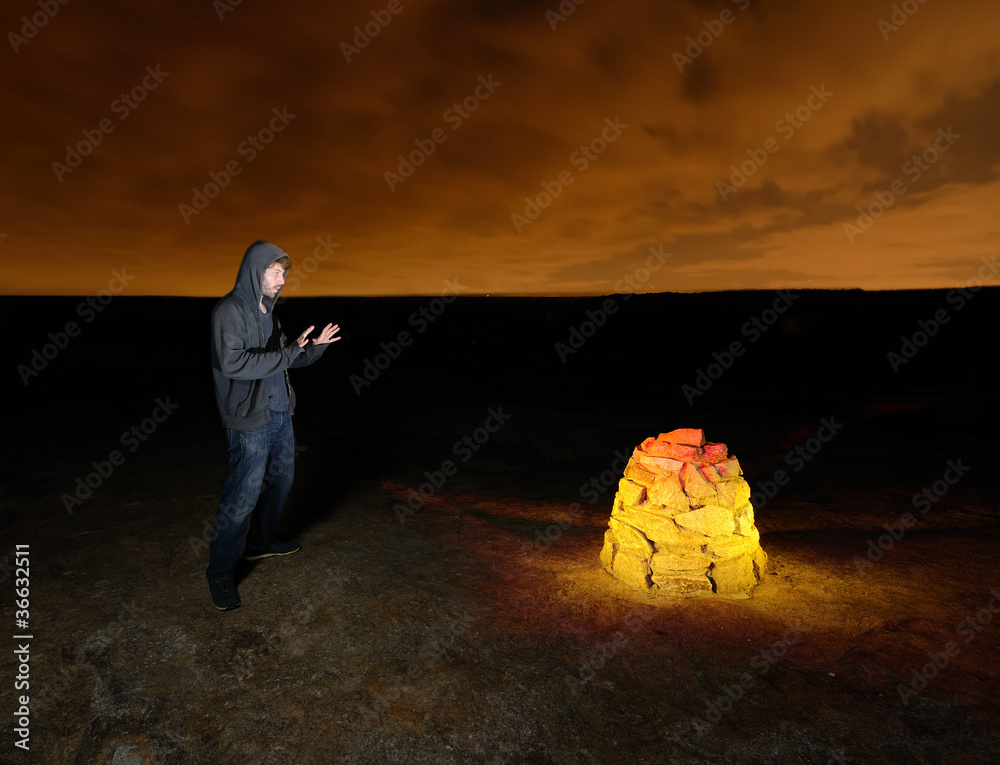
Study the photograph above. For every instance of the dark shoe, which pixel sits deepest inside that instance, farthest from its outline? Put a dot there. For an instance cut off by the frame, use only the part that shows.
(275, 548)
(224, 593)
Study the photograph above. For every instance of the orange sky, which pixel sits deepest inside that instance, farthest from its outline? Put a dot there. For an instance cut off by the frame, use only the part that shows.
(835, 102)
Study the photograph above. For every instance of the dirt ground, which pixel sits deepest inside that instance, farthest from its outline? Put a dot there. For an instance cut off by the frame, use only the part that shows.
(476, 624)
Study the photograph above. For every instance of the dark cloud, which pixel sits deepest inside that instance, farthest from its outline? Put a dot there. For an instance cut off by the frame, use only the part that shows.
(499, 10)
(699, 80)
(976, 155)
(880, 141)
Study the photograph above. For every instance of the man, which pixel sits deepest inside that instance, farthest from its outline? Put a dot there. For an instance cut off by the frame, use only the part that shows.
(250, 359)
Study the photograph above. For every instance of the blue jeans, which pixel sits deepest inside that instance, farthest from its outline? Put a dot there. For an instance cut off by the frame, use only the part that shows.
(261, 469)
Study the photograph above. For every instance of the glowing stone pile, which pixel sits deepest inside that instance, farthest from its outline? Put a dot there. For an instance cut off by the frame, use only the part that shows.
(682, 522)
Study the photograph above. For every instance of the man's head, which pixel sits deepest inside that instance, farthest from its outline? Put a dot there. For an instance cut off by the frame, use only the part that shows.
(274, 277)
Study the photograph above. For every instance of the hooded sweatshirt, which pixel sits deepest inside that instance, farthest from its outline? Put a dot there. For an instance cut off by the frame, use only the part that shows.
(242, 357)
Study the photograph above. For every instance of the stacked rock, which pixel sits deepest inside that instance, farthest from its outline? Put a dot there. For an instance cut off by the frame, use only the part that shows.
(682, 522)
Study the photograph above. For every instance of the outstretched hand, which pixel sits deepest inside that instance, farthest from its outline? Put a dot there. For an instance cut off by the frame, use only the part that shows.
(324, 337)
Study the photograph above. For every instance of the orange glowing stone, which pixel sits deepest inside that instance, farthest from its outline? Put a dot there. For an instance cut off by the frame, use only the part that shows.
(682, 522)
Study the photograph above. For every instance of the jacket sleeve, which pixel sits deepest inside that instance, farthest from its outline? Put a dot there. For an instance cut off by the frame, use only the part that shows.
(233, 355)
(309, 354)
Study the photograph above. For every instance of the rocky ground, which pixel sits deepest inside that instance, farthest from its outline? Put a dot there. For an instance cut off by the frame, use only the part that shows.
(475, 624)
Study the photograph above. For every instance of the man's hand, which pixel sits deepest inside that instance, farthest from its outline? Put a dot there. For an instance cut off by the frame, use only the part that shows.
(326, 336)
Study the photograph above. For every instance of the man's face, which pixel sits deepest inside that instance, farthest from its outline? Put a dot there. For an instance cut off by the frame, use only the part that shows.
(274, 277)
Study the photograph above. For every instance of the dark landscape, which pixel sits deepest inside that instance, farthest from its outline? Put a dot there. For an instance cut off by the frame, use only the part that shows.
(474, 623)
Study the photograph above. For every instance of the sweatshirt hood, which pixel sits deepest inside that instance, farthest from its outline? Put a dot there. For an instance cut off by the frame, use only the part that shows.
(249, 279)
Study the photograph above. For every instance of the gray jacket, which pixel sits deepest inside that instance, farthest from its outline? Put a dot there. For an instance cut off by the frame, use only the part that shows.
(242, 358)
